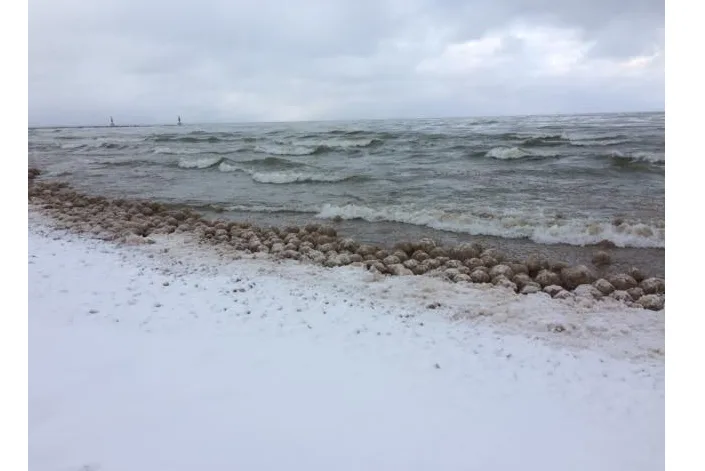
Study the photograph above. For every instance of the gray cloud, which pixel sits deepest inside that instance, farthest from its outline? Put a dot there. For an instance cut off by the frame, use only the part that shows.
(218, 60)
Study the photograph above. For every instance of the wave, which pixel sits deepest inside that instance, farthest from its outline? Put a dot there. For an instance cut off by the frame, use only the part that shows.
(354, 133)
(269, 208)
(316, 148)
(113, 145)
(298, 145)
(200, 163)
(540, 230)
(285, 149)
(637, 157)
(170, 151)
(518, 153)
(551, 140)
(250, 166)
(281, 178)
(351, 143)
(545, 141)
(41, 146)
(508, 153)
(229, 167)
(92, 146)
(76, 146)
(554, 140)
(601, 138)
(599, 143)
(343, 132)
(134, 163)
(272, 162)
(186, 139)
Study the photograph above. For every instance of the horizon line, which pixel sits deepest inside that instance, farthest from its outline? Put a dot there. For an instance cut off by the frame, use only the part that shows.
(136, 125)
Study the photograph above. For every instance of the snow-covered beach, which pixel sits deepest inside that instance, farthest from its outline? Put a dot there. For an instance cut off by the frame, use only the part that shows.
(170, 356)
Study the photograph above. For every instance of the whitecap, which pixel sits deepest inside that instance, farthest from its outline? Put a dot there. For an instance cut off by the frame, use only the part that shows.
(200, 163)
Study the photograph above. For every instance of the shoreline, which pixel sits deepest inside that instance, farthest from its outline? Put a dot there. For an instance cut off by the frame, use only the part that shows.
(578, 323)
(650, 259)
(134, 221)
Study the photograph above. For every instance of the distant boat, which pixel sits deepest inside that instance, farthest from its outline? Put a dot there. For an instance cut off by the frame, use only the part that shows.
(178, 122)
(112, 123)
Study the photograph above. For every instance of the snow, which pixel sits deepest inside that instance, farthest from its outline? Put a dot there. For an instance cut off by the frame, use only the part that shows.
(142, 359)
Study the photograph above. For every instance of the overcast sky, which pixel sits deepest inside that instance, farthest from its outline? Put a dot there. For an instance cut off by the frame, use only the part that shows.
(147, 61)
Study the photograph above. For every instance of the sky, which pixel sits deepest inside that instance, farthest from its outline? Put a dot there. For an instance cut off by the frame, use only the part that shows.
(147, 61)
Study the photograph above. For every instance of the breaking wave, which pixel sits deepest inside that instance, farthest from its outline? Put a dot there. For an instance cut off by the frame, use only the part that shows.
(185, 139)
(542, 230)
(271, 209)
(73, 146)
(229, 167)
(272, 163)
(263, 171)
(84, 146)
(281, 178)
(637, 157)
(285, 149)
(247, 166)
(170, 151)
(299, 149)
(508, 153)
(606, 142)
(200, 163)
(545, 141)
(551, 140)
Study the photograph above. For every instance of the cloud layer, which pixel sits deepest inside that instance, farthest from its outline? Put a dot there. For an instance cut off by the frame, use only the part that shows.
(218, 60)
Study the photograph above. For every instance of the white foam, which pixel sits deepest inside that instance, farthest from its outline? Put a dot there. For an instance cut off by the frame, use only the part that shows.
(285, 149)
(507, 153)
(536, 227)
(271, 208)
(202, 162)
(650, 157)
(639, 156)
(603, 142)
(228, 167)
(73, 145)
(310, 146)
(346, 143)
(296, 177)
(169, 150)
(585, 232)
(283, 177)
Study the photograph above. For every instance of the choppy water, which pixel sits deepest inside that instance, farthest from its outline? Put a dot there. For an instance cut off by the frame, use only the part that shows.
(572, 180)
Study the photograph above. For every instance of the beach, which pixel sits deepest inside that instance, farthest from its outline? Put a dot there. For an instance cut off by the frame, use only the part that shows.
(169, 351)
